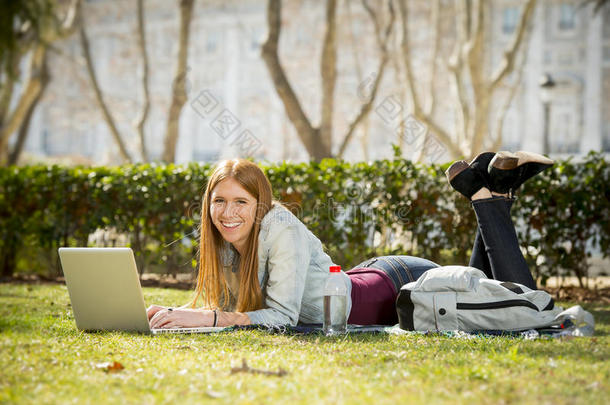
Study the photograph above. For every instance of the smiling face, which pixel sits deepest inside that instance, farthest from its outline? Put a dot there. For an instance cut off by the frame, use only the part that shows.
(233, 212)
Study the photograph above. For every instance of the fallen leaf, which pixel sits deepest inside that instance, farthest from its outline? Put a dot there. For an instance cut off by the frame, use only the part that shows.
(110, 366)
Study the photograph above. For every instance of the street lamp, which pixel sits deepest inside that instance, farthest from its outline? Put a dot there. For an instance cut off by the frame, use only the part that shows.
(546, 89)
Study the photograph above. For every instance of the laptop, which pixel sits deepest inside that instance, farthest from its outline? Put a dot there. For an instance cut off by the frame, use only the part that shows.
(105, 291)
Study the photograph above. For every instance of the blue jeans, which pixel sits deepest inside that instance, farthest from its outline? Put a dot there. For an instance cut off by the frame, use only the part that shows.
(496, 250)
(400, 269)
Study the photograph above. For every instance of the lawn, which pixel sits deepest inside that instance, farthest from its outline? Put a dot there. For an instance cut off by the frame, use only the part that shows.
(46, 360)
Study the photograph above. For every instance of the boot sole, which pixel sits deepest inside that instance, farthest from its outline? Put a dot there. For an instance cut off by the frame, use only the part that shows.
(455, 169)
(531, 157)
(504, 161)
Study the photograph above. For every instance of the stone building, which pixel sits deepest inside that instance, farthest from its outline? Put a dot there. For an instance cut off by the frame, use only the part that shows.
(227, 76)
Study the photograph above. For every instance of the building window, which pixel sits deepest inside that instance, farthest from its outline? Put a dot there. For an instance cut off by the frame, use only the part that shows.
(567, 17)
(565, 58)
(606, 111)
(547, 57)
(255, 38)
(212, 42)
(46, 146)
(510, 16)
(606, 138)
(605, 21)
(563, 137)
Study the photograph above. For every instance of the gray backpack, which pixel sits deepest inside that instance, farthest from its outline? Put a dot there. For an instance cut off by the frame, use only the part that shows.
(462, 298)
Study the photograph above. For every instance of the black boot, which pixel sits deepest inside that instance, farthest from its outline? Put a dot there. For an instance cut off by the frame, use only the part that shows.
(508, 171)
(481, 164)
(465, 179)
(503, 171)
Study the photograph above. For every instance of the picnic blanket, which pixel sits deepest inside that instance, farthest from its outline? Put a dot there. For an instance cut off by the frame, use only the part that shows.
(575, 322)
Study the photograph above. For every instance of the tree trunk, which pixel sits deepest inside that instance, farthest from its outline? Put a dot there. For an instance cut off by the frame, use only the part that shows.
(178, 84)
(318, 140)
(418, 112)
(328, 73)
(146, 104)
(31, 91)
(33, 41)
(10, 76)
(306, 132)
(25, 126)
(435, 22)
(100, 98)
(474, 90)
(8, 259)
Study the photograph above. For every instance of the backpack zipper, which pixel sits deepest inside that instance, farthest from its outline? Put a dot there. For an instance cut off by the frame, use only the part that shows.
(496, 305)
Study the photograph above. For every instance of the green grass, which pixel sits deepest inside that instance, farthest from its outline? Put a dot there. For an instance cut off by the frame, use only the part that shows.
(44, 359)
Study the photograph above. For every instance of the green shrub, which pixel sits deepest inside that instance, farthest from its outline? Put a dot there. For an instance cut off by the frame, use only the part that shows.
(358, 210)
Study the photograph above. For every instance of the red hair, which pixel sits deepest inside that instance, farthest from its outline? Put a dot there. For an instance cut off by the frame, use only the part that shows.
(210, 277)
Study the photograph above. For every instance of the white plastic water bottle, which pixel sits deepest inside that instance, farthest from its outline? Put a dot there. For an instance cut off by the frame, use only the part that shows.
(335, 303)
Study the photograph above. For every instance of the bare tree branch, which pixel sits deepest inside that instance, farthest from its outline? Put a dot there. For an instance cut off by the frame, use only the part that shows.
(32, 88)
(597, 4)
(374, 17)
(497, 143)
(71, 20)
(456, 67)
(365, 109)
(178, 84)
(146, 104)
(509, 54)
(435, 21)
(406, 50)
(358, 67)
(292, 106)
(317, 141)
(399, 78)
(382, 39)
(328, 73)
(34, 42)
(353, 43)
(464, 108)
(25, 126)
(474, 50)
(418, 112)
(84, 41)
(483, 91)
(9, 79)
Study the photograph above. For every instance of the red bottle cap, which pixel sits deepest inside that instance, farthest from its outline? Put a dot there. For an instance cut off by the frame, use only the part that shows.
(335, 269)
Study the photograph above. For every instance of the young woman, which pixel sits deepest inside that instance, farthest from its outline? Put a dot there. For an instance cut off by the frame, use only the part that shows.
(259, 264)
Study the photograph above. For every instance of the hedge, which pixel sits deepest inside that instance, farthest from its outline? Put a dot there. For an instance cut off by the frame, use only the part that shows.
(358, 210)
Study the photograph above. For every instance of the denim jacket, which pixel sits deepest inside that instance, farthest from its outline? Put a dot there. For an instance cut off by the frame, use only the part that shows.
(292, 271)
